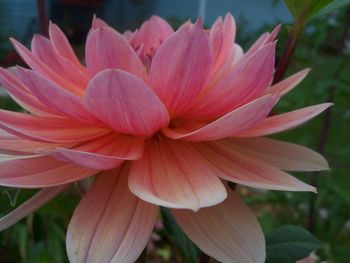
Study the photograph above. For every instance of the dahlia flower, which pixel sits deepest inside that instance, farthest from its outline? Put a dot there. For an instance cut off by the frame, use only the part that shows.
(158, 118)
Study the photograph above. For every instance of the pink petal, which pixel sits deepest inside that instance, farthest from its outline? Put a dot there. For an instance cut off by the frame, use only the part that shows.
(22, 94)
(103, 153)
(288, 84)
(222, 36)
(152, 33)
(263, 40)
(10, 144)
(36, 171)
(32, 204)
(46, 52)
(228, 232)
(173, 174)
(106, 49)
(283, 155)
(110, 224)
(284, 121)
(62, 46)
(246, 82)
(126, 103)
(181, 66)
(57, 130)
(61, 100)
(236, 167)
(97, 23)
(233, 122)
(37, 65)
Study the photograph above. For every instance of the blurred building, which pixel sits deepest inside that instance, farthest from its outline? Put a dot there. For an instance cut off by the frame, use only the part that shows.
(19, 18)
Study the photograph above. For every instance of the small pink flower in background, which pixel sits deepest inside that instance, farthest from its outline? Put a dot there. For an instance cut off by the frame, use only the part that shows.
(160, 118)
(312, 258)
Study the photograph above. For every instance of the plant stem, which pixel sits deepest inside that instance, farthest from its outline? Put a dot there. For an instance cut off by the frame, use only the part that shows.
(43, 19)
(291, 44)
(204, 258)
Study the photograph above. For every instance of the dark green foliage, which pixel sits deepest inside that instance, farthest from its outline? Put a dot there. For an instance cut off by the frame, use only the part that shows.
(288, 244)
(186, 247)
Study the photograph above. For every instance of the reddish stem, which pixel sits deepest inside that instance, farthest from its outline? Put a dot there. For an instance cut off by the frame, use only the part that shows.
(289, 49)
(43, 19)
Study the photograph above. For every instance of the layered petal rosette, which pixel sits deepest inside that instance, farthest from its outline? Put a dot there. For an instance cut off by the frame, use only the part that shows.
(158, 118)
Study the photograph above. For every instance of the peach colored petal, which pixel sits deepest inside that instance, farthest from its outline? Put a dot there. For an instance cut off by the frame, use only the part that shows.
(37, 171)
(173, 174)
(233, 166)
(233, 58)
(106, 48)
(246, 82)
(222, 35)
(46, 52)
(11, 144)
(43, 129)
(103, 153)
(126, 103)
(288, 84)
(178, 81)
(152, 33)
(22, 94)
(37, 65)
(110, 224)
(61, 100)
(233, 122)
(263, 40)
(98, 22)
(283, 122)
(32, 204)
(228, 232)
(63, 48)
(283, 155)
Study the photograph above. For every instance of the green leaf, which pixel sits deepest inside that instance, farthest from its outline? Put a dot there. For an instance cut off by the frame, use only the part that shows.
(186, 247)
(289, 243)
(341, 185)
(307, 8)
(334, 6)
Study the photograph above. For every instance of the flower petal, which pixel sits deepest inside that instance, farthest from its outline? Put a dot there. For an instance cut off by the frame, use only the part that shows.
(22, 94)
(173, 174)
(98, 22)
(236, 167)
(286, 85)
(103, 153)
(110, 224)
(246, 82)
(233, 122)
(46, 52)
(222, 36)
(228, 232)
(57, 130)
(32, 204)
(62, 46)
(181, 66)
(37, 171)
(11, 144)
(37, 65)
(152, 34)
(61, 100)
(285, 121)
(126, 103)
(263, 40)
(106, 48)
(283, 155)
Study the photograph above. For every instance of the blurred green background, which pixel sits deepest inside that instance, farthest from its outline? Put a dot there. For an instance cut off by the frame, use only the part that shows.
(324, 46)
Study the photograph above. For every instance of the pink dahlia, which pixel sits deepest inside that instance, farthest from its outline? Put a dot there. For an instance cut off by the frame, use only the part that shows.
(158, 118)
